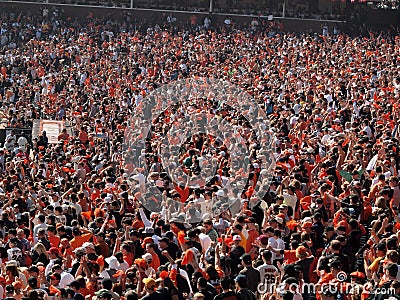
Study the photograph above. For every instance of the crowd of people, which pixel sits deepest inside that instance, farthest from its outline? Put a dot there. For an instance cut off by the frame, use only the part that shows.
(302, 204)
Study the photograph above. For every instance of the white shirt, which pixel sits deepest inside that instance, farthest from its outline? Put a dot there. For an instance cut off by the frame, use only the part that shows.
(281, 246)
(123, 266)
(14, 254)
(290, 200)
(49, 266)
(205, 241)
(267, 275)
(36, 229)
(272, 242)
(66, 278)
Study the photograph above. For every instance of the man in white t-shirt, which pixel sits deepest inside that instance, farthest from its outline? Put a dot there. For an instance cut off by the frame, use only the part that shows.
(268, 272)
(290, 198)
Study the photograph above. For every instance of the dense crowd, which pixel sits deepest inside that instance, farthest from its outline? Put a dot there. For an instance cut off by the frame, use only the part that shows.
(82, 218)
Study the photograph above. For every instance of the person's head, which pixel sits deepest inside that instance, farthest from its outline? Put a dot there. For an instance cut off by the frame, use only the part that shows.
(33, 283)
(107, 284)
(89, 247)
(226, 283)
(336, 246)
(236, 240)
(163, 242)
(131, 295)
(53, 253)
(391, 270)
(267, 256)
(149, 284)
(41, 234)
(75, 286)
(392, 256)
(381, 249)
(150, 248)
(241, 281)
(57, 269)
(208, 224)
(76, 231)
(198, 296)
(302, 252)
(201, 283)
(336, 266)
(41, 218)
(395, 286)
(55, 279)
(10, 290)
(246, 260)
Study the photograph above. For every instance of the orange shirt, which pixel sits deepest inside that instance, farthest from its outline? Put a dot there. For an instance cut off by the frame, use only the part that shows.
(137, 224)
(85, 291)
(78, 241)
(54, 241)
(156, 261)
(290, 256)
(253, 235)
(129, 258)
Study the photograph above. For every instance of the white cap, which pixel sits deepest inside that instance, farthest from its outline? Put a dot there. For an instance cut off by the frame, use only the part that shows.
(112, 262)
(236, 238)
(147, 257)
(88, 245)
(220, 193)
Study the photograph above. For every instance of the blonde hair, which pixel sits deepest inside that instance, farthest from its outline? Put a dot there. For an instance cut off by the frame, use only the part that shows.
(197, 296)
(40, 249)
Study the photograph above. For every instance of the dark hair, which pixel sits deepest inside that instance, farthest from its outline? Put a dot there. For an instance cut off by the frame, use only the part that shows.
(107, 284)
(212, 273)
(226, 283)
(202, 282)
(131, 295)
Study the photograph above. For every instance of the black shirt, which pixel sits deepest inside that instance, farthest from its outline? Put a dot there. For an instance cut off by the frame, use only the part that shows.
(153, 296)
(231, 295)
(207, 294)
(245, 294)
(253, 278)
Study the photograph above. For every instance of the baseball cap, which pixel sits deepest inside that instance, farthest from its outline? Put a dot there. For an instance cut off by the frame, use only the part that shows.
(263, 239)
(236, 238)
(241, 278)
(103, 293)
(53, 250)
(147, 257)
(88, 245)
(150, 283)
(358, 274)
